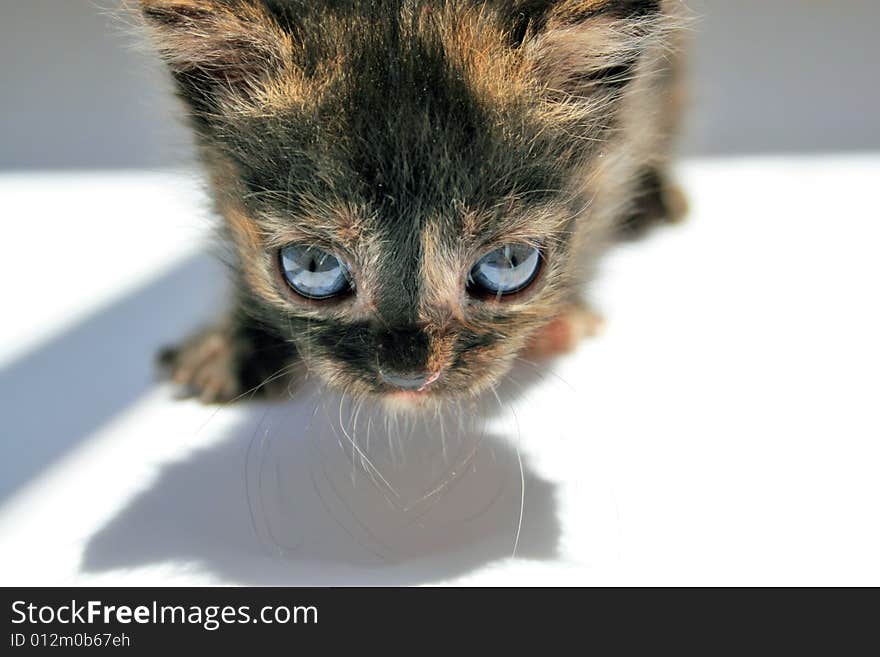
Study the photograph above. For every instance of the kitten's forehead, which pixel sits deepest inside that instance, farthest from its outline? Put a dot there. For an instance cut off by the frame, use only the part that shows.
(409, 107)
(407, 118)
(412, 134)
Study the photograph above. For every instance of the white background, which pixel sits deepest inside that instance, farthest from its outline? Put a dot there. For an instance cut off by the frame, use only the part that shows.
(723, 430)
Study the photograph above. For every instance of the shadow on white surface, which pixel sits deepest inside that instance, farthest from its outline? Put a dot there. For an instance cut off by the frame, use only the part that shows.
(286, 498)
(723, 432)
(56, 396)
(281, 497)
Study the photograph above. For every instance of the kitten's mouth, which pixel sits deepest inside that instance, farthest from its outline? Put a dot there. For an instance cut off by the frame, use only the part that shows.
(407, 398)
(411, 400)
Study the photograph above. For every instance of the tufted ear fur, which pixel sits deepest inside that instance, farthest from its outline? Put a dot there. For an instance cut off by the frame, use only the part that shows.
(583, 47)
(215, 46)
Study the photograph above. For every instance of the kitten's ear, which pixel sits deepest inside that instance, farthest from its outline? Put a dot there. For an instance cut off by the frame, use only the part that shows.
(216, 45)
(583, 47)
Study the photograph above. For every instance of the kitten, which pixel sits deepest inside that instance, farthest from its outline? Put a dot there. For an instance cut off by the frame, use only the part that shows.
(416, 191)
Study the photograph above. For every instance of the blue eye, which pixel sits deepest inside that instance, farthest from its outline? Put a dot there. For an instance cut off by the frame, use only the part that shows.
(507, 270)
(313, 273)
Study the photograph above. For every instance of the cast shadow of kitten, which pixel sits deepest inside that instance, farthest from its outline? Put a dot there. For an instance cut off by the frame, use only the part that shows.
(317, 491)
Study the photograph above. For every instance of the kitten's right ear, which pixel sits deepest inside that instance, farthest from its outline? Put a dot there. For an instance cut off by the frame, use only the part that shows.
(216, 46)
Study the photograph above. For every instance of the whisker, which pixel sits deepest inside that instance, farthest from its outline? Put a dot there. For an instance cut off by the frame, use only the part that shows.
(363, 456)
(284, 371)
(522, 501)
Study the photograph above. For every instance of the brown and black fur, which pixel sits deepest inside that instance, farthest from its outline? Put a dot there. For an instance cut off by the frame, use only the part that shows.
(413, 136)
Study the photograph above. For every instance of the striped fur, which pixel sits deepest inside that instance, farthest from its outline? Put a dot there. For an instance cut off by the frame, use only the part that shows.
(411, 137)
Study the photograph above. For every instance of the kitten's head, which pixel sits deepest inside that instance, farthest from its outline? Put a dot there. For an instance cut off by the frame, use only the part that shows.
(405, 181)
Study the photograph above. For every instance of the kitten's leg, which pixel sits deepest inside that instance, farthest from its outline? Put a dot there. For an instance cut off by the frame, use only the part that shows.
(237, 358)
(562, 334)
(656, 200)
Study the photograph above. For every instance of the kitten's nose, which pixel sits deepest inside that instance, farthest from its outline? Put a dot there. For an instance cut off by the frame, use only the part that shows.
(406, 380)
(402, 355)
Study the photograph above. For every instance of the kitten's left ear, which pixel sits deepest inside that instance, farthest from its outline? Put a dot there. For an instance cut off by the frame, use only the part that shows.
(583, 47)
(214, 46)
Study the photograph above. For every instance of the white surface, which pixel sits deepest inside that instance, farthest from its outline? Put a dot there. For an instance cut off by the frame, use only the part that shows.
(724, 430)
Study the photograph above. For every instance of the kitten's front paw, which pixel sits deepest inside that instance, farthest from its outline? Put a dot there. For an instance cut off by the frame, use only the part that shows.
(204, 366)
(564, 333)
